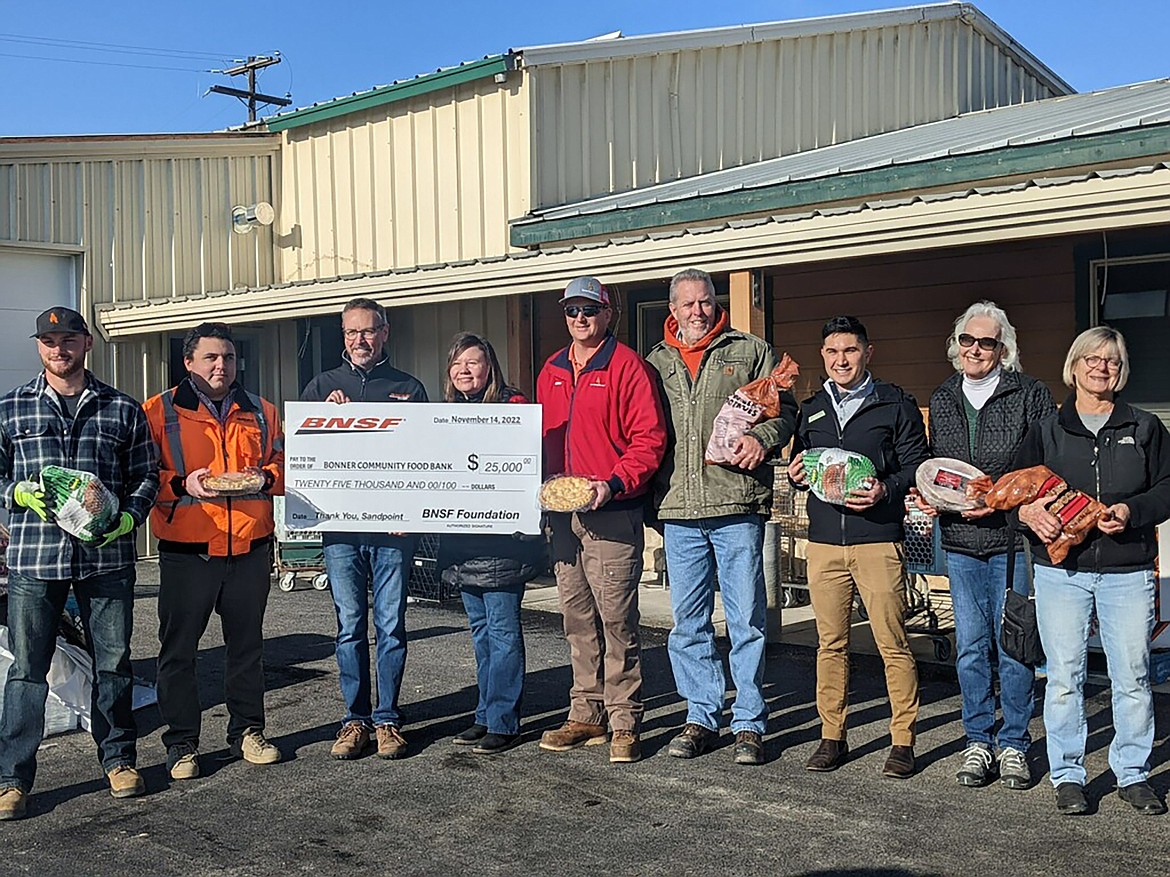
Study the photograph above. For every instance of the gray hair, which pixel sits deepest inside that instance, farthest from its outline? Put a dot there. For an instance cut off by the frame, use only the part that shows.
(691, 274)
(366, 304)
(1092, 340)
(1007, 335)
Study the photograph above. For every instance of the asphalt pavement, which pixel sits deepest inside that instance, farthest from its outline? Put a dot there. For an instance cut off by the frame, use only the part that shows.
(444, 811)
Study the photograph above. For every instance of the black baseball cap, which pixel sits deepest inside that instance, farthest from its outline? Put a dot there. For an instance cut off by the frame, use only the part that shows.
(60, 320)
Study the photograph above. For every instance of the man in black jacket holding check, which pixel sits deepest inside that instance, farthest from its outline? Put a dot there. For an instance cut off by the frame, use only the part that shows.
(357, 562)
(856, 547)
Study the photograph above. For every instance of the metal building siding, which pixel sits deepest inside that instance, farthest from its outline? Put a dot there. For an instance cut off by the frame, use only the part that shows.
(613, 124)
(149, 221)
(430, 179)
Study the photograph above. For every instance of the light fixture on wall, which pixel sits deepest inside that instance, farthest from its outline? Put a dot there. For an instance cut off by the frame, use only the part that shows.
(244, 219)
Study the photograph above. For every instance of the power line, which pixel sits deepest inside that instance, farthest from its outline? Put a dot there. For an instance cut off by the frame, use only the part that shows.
(116, 48)
(105, 63)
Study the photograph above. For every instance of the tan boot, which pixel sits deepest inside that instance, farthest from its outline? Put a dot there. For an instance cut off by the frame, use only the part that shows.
(13, 804)
(572, 734)
(625, 747)
(254, 748)
(352, 740)
(391, 743)
(126, 782)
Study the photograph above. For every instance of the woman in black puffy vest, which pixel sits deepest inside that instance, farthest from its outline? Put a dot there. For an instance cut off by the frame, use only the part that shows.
(491, 570)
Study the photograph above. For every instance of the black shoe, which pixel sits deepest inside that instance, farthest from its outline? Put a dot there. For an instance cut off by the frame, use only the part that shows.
(693, 741)
(749, 748)
(830, 755)
(491, 744)
(1142, 798)
(470, 736)
(900, 764)
(1070, 799)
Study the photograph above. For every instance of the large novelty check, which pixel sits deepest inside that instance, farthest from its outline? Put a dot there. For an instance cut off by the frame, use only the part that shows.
(412, 467)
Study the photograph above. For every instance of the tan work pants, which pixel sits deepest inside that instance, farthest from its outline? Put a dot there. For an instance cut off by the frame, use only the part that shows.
(875, 571)
(598, 557)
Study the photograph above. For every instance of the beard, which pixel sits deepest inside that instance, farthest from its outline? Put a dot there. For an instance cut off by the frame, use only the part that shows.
(64, 369)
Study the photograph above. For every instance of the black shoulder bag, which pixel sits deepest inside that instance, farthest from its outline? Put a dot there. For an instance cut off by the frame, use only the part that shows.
(1019, 635)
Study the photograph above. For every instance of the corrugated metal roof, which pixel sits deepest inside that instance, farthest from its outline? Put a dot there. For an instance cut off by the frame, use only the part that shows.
(619, 46)
(1072, 116)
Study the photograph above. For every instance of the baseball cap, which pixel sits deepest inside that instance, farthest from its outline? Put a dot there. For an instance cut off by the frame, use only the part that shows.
(586, 287)
(60, 320)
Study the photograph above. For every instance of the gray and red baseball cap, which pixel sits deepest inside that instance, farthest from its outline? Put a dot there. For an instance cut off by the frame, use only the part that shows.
(586, 287)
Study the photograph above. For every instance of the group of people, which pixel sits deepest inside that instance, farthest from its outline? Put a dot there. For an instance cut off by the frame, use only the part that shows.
(635, 428)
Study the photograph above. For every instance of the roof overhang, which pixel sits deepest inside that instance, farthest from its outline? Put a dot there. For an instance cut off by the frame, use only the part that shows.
(1025, 161)
(1092, 201)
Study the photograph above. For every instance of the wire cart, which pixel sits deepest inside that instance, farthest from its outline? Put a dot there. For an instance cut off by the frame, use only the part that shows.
(298, 555)
(930, 611)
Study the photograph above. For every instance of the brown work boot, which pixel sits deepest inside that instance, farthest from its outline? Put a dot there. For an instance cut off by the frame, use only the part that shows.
(625, 747)
(830, 755)
(126, 782)
(572, 734)
(13, 804)
(352, 740)
(391, 743)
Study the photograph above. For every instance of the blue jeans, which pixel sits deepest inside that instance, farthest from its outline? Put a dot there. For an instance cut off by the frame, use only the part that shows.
(978, 586)
(693, 549)
(494, 616)
(106, 602)
(1125, 619)
(353, 567)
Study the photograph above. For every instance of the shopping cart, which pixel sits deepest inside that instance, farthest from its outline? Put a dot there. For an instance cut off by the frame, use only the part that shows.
(930, 609)
(299, 556)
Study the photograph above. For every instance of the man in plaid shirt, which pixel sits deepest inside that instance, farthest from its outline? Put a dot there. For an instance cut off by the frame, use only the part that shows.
(66, 417)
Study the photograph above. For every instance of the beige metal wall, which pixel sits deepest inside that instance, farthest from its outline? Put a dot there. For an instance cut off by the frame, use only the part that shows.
(417, 182)
(151, 218)
(615, 124)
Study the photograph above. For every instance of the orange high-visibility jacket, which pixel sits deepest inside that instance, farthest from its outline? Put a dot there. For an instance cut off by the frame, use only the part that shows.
(189, 437)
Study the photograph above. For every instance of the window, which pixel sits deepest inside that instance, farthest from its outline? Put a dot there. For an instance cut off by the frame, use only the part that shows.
(1132, 294)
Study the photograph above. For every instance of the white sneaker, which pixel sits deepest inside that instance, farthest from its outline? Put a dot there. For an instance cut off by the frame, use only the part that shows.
(1013, 769)
(977, 766)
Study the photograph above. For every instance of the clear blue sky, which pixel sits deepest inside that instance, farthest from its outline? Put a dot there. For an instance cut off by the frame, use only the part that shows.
(336, 48)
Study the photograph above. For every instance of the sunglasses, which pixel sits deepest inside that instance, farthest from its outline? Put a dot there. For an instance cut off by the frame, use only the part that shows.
(572, 311)
(984, 343)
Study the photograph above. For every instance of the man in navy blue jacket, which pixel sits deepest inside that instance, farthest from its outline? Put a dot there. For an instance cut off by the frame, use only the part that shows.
(857, 547)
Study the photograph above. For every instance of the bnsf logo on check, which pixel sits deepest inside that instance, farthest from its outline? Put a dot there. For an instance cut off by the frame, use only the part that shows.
(438, 513)
(326, 425)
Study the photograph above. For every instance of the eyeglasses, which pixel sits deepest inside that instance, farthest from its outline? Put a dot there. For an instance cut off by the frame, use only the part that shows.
(366, 334)
(572, 311)
(966, 340)
(1111, 363)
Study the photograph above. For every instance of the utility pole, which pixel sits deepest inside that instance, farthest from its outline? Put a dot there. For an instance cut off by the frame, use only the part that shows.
(251, 96)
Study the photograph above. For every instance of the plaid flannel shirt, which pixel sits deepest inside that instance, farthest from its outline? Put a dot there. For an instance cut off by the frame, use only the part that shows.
(108, 437)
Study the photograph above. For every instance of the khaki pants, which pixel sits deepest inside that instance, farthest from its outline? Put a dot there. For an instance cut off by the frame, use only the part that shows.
(877, 573)
(598, 557)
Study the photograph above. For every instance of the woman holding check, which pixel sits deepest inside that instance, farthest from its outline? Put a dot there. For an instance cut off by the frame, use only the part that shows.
(491, 570)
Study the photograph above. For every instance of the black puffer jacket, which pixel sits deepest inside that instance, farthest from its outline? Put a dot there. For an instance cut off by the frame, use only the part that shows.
(491, 560)
(1018, 402)
(887, 429)
(1127, 461)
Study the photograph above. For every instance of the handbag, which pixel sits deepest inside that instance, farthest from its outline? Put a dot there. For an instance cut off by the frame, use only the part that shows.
(1019, 635)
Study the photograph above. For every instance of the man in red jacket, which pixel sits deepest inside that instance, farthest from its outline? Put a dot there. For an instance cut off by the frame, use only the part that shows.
(603, 421)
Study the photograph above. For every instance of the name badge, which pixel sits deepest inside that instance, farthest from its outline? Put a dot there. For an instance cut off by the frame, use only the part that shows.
(816, 416)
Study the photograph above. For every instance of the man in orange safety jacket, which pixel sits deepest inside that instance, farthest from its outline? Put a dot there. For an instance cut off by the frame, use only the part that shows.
(215, 543)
